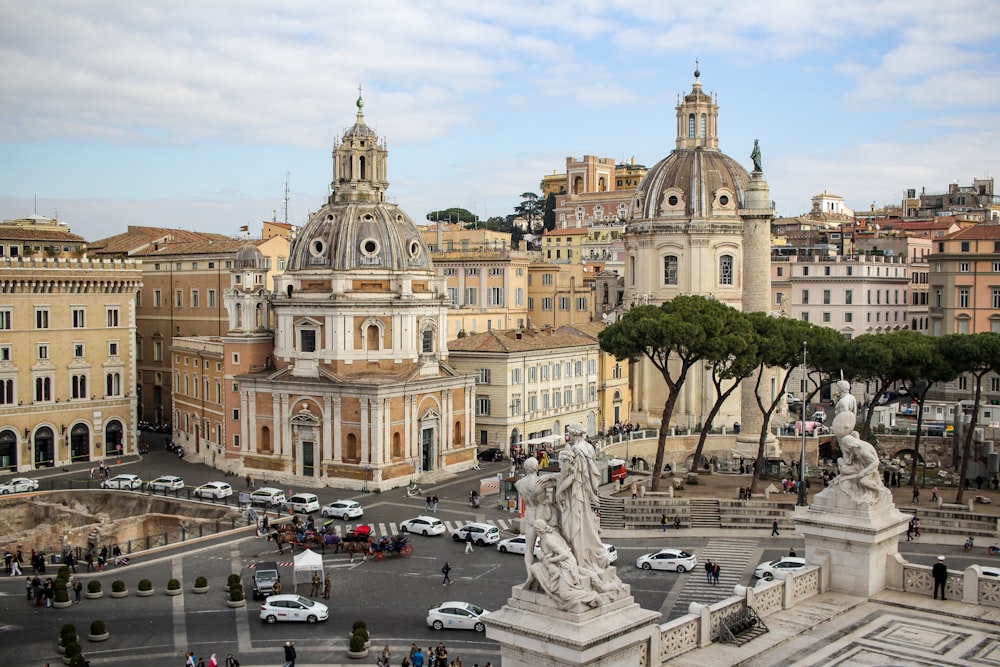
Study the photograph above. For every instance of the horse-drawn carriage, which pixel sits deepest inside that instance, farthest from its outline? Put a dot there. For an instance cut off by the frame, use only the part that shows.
(397, 545)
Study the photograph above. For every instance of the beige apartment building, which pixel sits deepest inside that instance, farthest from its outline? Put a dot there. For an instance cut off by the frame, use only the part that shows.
(592, 190)
(561, 294)
(486, 279)
(67, 362)
(184, 276)
(965, 281)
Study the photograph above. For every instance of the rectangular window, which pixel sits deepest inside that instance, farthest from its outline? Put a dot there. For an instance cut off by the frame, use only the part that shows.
(996, 299)
(519, 296)
(545, 373)
(79, 317)
(547, 303)
(157, 350)
(178, 298)
(805, 297)
(581, 304)
(515, 406)
(451, 272)
(195, 299)
(531, 303)
(113, 315)
(471, 296)
(43, 351)
(532, 374)
(963, 297)
(826, 297)
(515, 376)
(483, 405)
(532, 403)
(848, 317)
(546, 401)
(963, 267)
(805, 317)
(307, 340)
(78, 350)
(211, 298)
(547, 279)
(112, 348)
(483, 376)
(236, 414)
(42, 318)
(5, 319)
(496, 271)
(453, 296)
(826, 317)
(849, 297)
(157, 299)
(496, 296)
(564, 303)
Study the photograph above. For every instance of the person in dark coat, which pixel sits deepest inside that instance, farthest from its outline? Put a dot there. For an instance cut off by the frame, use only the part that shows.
(290, 654)
(940, 574)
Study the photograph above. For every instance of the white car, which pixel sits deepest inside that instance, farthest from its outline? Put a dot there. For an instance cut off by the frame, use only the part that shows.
(343, 510)
(424, 525)
(303, 503)
(677, 560)
(18, 485)
(512, 545)
(779, 569)
(213, 490)
(457, 616)
(167, 483)
(291, 607)
(122, 482)
(268, 496)
(482, 533)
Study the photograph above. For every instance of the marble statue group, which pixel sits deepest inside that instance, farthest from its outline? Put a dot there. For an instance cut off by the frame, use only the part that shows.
(572, 566)
(858, 476)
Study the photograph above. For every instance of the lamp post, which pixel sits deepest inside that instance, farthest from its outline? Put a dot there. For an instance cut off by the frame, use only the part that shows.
(803, 496)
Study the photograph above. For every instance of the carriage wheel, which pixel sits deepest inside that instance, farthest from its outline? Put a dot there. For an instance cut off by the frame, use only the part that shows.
(407, 550)
(379, 555)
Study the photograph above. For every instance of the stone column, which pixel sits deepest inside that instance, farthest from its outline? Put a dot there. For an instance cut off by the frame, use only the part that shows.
(757, 217)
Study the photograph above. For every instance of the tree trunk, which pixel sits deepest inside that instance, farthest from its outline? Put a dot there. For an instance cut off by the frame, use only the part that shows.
(967, 446)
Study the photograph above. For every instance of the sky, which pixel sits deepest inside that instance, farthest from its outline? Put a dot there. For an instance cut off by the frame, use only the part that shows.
(195, 113)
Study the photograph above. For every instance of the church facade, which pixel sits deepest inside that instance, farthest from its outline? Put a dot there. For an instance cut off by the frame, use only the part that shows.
(355, 385)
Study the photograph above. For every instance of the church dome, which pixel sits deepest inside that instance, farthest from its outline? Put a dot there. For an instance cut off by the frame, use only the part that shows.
(357, 228)
(250, 257)
(696, 180)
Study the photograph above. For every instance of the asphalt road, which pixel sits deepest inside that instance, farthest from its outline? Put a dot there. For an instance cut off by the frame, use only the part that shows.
(391, 595)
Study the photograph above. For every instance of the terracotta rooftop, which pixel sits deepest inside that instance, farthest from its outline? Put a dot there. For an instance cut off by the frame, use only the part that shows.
(137, 239)
(518, 340)
(30, 234)
(980, 232)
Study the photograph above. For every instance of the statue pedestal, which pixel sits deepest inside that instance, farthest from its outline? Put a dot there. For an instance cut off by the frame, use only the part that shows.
(851, 538)
(533, 630)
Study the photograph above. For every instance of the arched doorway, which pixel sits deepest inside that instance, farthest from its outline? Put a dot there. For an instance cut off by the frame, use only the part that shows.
(8, 450)
(44, 447)
(429, 425)
(305, 435)
(114, 443)
(79, 443)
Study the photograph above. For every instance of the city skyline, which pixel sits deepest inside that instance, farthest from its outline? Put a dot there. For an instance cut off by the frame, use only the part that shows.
(192, 116)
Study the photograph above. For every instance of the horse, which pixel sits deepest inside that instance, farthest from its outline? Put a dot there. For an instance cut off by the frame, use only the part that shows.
(353, 544)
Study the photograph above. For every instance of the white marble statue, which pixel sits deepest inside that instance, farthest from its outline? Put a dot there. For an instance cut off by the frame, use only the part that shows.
(558, 573)
(845, 399)
(858, 465)
(537, 494)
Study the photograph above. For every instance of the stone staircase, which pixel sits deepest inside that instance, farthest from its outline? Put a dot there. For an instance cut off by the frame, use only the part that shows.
(612, 512)
(705, 513)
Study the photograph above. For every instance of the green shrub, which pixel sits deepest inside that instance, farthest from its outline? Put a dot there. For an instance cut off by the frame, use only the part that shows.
(63, 573)
(201, 582)
(233, 579)
(117, 586)
(93, 586)
(61, 594)
(78, 661)
(68, 630)
(357, 643)
(236, 592)
(145, 585)
(173, 585)
(72, 649)
(97, 628)
(362, 632)
(358, 624)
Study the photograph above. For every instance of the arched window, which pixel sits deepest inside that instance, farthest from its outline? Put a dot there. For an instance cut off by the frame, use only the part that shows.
(361, 168)
(578, 185)
(670, 270)
(691, 126)
(259, 316)
(113, 443)
(265, 446)
(397, 446)
(602, 184)
(427, 341)
(351, 450)
(8, 450)
(703, 132)
(459, 436)
(7, 392)
(239, 315)
(726, 270)
(373, 337)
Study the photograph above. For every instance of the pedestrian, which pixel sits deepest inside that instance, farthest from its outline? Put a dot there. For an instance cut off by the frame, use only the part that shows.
(434, 503)
(774, 528)
(635, 490)
(290, 654)
(231, 661)
(212, 662)
(916, 495)
(117, 553)
(916, 527)
(708, 571)
(265, 525)
(934, 493)
(418, 658)
(427, 503)
(663, 523)
(909, 531)
(446, 571)
(70, 561)
(78, 590)
(715, 573)
(30, 588)
(791, 552)
(940, 574)
(327, 584)
(468, 542)
(190, 660)
(15, 567)
(316, 581)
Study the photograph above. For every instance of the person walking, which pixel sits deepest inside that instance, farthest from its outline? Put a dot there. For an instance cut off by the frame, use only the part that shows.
(290, 654)
(78, 590)
(446, 571)
(418, 658)
(327, 584)
(916, 495)
(715, 573)
(708, 571)
(231, 661)
(774, 528)
(427, 503)
(213, 662)
(663, 523)
(434, 503)
(940, 574)
(15, 567)
(934, 491)
(468, 542)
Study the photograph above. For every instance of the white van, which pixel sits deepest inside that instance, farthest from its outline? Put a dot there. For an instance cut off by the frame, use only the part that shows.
(267, 496)
(303, 503)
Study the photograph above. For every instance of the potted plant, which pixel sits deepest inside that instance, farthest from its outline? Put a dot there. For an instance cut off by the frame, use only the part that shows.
(200, 585)
(360, 627)
(60, 599)
(145, 588)
(118, 589)
(79, 661)
(72, 650)
(98, 632)
(174, 587)
(94, 590)
(237, 597)
(233, 579)
(67, 634)
(357, 648)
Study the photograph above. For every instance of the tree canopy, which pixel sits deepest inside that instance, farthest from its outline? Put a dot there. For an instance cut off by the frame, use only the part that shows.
(452, 215)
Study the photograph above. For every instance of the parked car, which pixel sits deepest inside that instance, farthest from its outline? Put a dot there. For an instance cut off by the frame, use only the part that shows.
(167, 483)
(677, 560)
(512, 545)
(819, 416)
(303, 503)
(18, 485)
(482, 533)
(128, 481)
(457, 616)
(812, 428)
(425, 525)
(213, 490)
(779, 569)
(343, 510)
(291, 607)
(267, 496)
(491, 454)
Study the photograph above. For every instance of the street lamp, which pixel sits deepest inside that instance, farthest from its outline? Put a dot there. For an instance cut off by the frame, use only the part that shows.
(803, 496)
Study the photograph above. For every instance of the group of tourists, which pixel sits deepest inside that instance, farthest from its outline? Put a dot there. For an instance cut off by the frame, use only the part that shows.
(712, 572)
(435, 656)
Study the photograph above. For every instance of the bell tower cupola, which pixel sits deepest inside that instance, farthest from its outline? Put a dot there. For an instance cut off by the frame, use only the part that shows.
(697, 118)
(359, 164)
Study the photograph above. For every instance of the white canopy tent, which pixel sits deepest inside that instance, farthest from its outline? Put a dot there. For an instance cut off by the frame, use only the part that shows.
(306, 563)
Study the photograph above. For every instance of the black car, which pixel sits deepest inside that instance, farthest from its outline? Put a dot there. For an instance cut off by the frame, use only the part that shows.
(492, 454)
